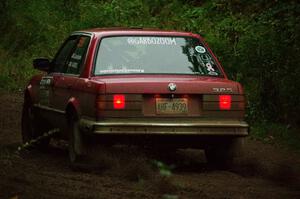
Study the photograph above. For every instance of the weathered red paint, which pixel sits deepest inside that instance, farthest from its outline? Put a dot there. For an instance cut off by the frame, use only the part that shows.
(82, 92)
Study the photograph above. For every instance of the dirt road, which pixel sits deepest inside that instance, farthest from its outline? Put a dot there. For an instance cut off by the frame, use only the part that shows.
(265, 172)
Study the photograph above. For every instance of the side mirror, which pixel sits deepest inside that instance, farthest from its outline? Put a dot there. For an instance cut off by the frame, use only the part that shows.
(42, 64)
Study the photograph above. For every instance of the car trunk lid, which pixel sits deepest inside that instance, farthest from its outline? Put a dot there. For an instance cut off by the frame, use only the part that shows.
(157, 84)
(152, 96)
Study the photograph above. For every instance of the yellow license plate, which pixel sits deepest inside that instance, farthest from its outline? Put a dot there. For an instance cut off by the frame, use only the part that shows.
(171, 106)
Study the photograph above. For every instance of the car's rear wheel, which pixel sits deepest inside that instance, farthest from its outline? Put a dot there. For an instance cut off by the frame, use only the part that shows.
(77, 145)
(33, 127)
(223, 154)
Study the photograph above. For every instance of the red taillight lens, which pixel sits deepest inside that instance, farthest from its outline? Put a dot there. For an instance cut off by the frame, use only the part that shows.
(119, 101)
(225, 102)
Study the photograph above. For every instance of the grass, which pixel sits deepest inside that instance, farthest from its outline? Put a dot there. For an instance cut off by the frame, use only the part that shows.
(15, 70)
(277, 134)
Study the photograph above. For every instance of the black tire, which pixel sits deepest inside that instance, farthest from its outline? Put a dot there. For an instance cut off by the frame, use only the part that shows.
(33, 127)
(77, 145)
(222, 155)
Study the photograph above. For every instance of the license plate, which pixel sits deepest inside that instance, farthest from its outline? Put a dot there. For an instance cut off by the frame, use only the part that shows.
(171, 106)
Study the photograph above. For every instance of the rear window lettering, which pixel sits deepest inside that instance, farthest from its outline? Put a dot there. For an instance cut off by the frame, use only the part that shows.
(151, 41)
(121, 71)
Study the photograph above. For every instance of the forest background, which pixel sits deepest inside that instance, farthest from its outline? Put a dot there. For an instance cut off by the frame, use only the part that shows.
(256, 41)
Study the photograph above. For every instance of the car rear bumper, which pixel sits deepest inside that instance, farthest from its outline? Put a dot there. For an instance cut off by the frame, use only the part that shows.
(165, 127)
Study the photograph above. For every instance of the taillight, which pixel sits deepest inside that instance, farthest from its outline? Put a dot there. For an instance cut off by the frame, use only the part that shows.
(225, 102)
(119, 101)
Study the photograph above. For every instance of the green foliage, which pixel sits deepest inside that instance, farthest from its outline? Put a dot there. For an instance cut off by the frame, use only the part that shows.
(164, 170)
(256, 41)
(272, 133)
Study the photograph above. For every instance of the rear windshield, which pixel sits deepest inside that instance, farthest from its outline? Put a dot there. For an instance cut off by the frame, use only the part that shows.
(154, 55)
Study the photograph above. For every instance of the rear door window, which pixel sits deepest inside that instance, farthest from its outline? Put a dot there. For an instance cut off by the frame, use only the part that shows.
(61, 58)
(75, 63)
(71, 56)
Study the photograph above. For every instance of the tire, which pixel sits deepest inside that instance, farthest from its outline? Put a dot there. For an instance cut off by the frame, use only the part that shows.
(222, 155)
(77, 145)
(32, 127)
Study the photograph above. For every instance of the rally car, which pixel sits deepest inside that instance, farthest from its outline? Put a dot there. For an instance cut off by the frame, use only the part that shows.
(136, 86)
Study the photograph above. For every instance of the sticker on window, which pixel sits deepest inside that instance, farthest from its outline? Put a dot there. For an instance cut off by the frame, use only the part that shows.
(151, 41)
(213, 73)
(73, 64)
(209, 67)
(123, 70)
(76, 56)
(200, 49)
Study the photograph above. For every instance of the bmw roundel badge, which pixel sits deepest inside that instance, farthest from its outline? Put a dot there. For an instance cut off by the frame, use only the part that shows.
(172, 87)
